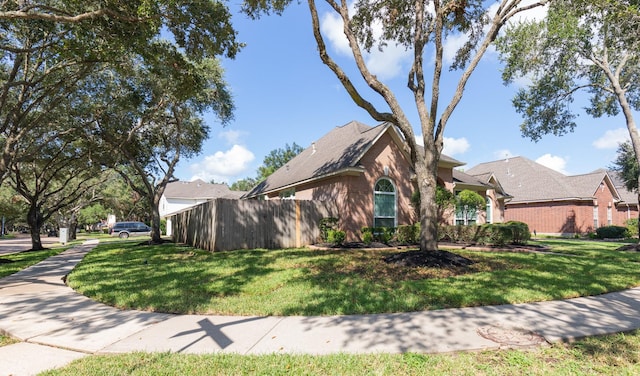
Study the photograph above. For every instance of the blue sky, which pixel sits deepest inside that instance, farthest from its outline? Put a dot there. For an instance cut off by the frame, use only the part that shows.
(284, 94)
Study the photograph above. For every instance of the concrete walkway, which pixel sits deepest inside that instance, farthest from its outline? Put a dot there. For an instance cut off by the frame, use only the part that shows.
(58, 325)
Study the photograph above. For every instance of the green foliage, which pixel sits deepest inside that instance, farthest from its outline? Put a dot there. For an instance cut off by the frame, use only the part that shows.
(276, 159)
(336, 237)
(512, 232)
(612, 232)
(408, 234)
(245, 184)
(367, 237)
(380, 234)
(469, 204)
(327, 224)
(581, 46)
(626, 165)
(632, 226)
(92, 214)
(445, 199)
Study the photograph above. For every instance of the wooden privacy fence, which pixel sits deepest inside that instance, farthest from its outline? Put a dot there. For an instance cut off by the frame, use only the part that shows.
(224, 224)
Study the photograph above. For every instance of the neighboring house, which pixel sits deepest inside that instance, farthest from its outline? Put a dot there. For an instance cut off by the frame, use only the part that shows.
(365, 170)
(553, 203)
(180, 195)
(628, 205)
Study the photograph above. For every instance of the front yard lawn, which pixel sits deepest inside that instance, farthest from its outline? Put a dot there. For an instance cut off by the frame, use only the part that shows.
(179, 279)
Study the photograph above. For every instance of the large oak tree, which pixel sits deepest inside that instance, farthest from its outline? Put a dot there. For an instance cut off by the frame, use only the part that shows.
(421, 26)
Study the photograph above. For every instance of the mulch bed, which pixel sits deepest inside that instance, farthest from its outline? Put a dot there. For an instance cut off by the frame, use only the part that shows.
(434, 259)
(431, 259)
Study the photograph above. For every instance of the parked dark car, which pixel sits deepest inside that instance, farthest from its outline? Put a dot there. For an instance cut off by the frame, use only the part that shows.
(125, 229)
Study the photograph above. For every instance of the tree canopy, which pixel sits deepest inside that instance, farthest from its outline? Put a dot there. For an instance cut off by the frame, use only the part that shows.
(582, 46)
(136, 75)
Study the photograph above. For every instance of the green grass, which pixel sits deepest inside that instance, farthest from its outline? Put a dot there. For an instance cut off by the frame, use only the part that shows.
(179, 279)
(607, 355)
(6, 340)
(15, 262)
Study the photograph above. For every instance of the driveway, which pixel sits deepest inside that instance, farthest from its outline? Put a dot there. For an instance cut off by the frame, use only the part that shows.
(22, 242)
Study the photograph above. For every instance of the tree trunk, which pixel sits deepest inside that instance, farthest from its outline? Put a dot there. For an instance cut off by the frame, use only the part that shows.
(34, 219)
(156, 236)
(73, 226)
(427, 182)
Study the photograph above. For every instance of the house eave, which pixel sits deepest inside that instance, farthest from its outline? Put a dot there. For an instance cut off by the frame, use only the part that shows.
(560, 199)
(353, 171)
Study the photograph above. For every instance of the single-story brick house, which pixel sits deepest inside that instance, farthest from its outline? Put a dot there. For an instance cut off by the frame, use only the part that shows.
(553, 203)
(367, 171)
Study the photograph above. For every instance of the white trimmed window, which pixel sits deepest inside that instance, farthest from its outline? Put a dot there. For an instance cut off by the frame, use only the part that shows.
(384, 204)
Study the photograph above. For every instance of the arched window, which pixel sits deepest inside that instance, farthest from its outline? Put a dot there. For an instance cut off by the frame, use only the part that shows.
(489, 210)
(384, 204)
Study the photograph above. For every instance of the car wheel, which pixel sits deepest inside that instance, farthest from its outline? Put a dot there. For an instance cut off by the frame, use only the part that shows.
(123, 235)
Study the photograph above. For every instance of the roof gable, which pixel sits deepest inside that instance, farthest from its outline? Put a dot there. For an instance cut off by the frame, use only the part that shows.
(198, 189)
(528, 181)
(339, 151)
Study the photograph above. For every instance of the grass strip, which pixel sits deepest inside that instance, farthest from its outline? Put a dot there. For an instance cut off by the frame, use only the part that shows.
(617, 354)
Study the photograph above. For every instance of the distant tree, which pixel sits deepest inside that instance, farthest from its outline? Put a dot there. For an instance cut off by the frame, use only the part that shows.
(52, 174)
(422, 27)
(92, 215)
(469, 204)
(152, 115)
(272, 161)
(276, 159)
(13, 208)
(244, 184)
(626, 165)
(120, 200)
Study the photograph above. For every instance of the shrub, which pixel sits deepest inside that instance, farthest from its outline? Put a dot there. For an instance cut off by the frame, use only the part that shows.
(336, 237)
(612, 232)
(495, 234)
(379, 234)
(519, 232)
(407, 234)
(632, 226)
(326, 224)
(367, 237)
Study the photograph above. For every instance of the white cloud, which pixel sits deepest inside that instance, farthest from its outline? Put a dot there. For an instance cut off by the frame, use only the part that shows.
(553, 162)
(222, 166)
(503, 154)
(612, 138)
(385, 64)
(455, 146)
(419, 140)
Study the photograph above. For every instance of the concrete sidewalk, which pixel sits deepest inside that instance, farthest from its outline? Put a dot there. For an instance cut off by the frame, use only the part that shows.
(58, 325)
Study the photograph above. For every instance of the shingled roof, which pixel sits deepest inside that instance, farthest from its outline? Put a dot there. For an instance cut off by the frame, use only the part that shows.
(626, 196)
(199, 189)
(339, 151)
(528, 181)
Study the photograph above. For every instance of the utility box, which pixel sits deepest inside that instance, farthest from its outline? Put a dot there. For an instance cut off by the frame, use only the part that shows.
(64, 235)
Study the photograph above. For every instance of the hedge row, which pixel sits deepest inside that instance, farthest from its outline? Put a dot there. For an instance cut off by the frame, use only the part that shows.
(494, 234)
(512, 232)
